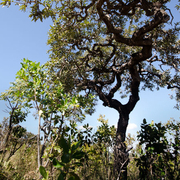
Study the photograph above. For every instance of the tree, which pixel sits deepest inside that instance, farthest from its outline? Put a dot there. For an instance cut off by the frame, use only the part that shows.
(12, 135)
(104, 46)
(160, 146)
(35, 88)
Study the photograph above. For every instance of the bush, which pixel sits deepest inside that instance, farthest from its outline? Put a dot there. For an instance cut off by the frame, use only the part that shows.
(159, 156)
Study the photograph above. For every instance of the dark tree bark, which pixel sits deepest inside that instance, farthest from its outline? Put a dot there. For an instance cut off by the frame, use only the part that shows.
(120, 151)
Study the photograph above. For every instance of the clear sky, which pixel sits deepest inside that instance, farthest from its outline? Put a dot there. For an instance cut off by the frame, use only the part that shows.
(21, 38)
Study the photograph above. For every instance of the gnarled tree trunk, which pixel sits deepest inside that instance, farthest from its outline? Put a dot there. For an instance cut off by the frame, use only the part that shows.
(121, 156)
(120, 151)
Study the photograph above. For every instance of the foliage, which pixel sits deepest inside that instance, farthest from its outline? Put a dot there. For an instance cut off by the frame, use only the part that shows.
(46, 92)
(34, 84)
(72, 153)
(64, 145)
(80, 153)
(101, 158)
(97, 44)
(34, 87)
(12, 135)
(18, 153)
(108, 46)
(159, 157)
(70, 159)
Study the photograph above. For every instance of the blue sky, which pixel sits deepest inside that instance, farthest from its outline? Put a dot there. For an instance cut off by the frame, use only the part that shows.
(21, 38)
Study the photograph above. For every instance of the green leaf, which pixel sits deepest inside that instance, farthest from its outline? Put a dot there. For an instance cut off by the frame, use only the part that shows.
(75, 146)
(57, 164)
(43, 172)
(65, 158)
(64, 144)
(23, 7)
(78, 155)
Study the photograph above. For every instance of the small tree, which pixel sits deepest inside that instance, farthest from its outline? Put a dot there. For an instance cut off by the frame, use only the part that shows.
(159, 156)
(35, 88)
(11, 133)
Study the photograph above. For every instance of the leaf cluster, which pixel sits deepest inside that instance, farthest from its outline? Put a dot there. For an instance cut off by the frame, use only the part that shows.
(160, 145)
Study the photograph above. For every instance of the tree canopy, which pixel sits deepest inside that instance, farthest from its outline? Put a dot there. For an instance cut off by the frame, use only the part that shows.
(105, 46)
